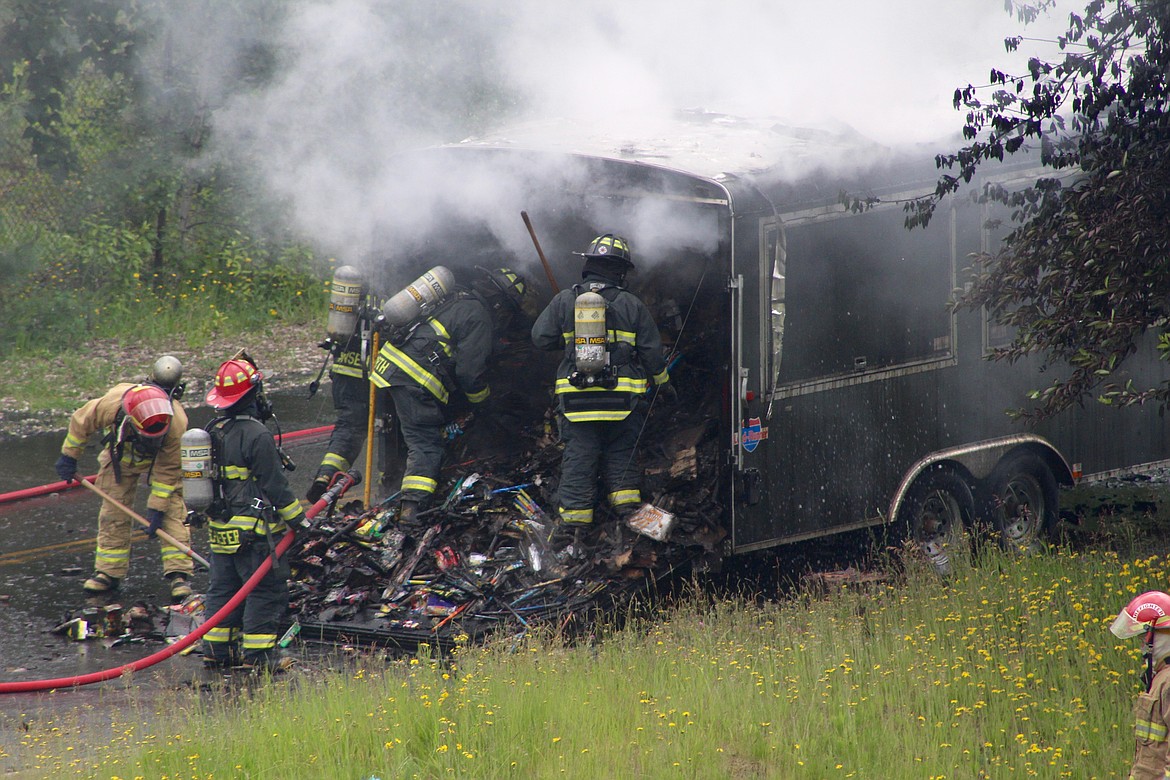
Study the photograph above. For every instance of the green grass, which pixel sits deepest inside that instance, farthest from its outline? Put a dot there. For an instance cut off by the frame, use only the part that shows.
(60, 377)
(1008, 670)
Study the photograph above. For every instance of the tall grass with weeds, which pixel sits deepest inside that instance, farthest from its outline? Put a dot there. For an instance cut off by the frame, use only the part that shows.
(1006, 670)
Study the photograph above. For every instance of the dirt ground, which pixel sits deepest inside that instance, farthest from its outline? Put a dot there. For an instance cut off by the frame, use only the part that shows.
(288, 355)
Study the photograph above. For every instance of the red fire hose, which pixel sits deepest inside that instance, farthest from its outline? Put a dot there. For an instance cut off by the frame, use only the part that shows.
(60, 487)
(27, 686)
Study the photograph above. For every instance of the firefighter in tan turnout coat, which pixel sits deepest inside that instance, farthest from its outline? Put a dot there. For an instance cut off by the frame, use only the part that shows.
(1148, 616)
(141, 425)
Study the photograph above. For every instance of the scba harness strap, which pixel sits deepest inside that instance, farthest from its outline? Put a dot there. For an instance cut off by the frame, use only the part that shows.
(228, 533)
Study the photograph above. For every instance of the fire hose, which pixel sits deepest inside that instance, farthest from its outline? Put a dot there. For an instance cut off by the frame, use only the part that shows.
(344, 482)
(61, 486)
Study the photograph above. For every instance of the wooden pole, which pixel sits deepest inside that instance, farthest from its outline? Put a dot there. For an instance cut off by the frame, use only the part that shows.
(540, 252)
(161, 533)
(370, 426)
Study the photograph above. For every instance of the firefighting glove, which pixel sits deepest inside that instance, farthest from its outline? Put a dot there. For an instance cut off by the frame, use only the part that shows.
(300, 523)
(155, 518)
(317, 489)
(195, 519)
(66, 467)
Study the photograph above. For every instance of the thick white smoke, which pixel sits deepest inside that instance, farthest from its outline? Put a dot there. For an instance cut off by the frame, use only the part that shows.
(356, 81)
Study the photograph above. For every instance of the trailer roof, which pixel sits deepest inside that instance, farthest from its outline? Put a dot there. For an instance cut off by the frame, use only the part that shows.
(787, 162)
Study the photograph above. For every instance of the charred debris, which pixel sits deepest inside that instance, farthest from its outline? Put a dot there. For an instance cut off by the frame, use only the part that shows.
(485, 558)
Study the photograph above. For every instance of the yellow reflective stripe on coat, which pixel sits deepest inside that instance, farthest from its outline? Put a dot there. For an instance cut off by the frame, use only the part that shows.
(444, 337)
(625, 384)
(238, 522)
(73, 443)
(481, 396)
(235, 472)
(426, 379)
(291, 511)
(159, 490)
(343, 370)
(626, 336)
(662, 378)
(333, 460)
(610, 415)
(1154, 732)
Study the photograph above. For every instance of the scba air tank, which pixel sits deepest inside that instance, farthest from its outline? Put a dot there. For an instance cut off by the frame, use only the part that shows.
(195, 461)
(427, 290)
(345, 301)
(589, 346)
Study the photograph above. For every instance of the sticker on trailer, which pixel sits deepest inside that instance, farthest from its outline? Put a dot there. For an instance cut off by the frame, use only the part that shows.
(752, 434)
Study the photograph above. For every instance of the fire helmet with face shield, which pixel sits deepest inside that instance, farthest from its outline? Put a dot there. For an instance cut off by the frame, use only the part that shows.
(1148, 612)
(148, 410)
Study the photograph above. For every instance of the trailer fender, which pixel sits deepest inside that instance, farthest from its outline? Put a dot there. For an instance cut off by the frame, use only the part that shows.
(976, 462)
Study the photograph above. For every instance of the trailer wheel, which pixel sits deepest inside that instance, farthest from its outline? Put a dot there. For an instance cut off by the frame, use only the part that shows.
(1023, 502)
(936, 513)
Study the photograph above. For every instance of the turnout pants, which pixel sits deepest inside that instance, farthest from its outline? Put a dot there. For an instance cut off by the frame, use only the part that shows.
(116, 529)
(351, 400)
(254, 625)
(421, 419)
(590, 447)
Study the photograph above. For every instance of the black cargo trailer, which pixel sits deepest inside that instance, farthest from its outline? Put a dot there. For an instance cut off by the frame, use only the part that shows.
(849, 393)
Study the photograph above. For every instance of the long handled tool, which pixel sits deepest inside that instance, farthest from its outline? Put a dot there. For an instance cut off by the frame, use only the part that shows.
(543, 260)
(370, 425)
(161, 533)
(24, 686)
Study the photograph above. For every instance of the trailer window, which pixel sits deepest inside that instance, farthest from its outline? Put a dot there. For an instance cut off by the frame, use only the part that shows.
(862, 293)
(774, 258)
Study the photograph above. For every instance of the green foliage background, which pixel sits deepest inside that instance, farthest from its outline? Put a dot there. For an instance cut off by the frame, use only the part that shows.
(110, 224)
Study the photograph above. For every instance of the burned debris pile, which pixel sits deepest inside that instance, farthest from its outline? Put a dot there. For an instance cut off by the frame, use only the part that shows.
(491, 557)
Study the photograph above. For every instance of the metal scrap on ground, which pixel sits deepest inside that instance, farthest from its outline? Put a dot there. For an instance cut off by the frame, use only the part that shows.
(486, 557)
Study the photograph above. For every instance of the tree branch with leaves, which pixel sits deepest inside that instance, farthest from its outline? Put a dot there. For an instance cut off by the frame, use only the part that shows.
(1084, 275)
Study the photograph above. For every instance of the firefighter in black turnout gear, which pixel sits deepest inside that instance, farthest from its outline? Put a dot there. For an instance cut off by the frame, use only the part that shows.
(348, 326)
(612, 354)
(253, 507)
(437, 360)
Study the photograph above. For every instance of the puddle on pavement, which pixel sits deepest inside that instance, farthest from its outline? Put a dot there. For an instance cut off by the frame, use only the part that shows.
(46, 552)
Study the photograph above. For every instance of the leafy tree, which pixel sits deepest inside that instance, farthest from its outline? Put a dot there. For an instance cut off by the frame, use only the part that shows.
(1083, 274)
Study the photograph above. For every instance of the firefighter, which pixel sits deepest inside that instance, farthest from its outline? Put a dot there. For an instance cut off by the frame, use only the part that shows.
(436, 362)
(253, 506)
(142, 425)
(602, 382)
(349, 377)
(167, 373)
(1148, 616)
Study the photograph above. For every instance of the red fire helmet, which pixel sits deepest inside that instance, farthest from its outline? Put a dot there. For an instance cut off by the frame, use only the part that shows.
(1150, 610)
(148, 408)
(233, 380)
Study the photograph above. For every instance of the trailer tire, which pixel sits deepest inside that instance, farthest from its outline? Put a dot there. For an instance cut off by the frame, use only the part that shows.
(1022, 502)
(936, 515)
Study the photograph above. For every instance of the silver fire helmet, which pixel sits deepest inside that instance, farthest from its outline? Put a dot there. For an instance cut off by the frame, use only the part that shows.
(166, 371)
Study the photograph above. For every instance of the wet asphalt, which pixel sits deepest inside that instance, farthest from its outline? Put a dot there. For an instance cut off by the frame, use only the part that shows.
(46, 552)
